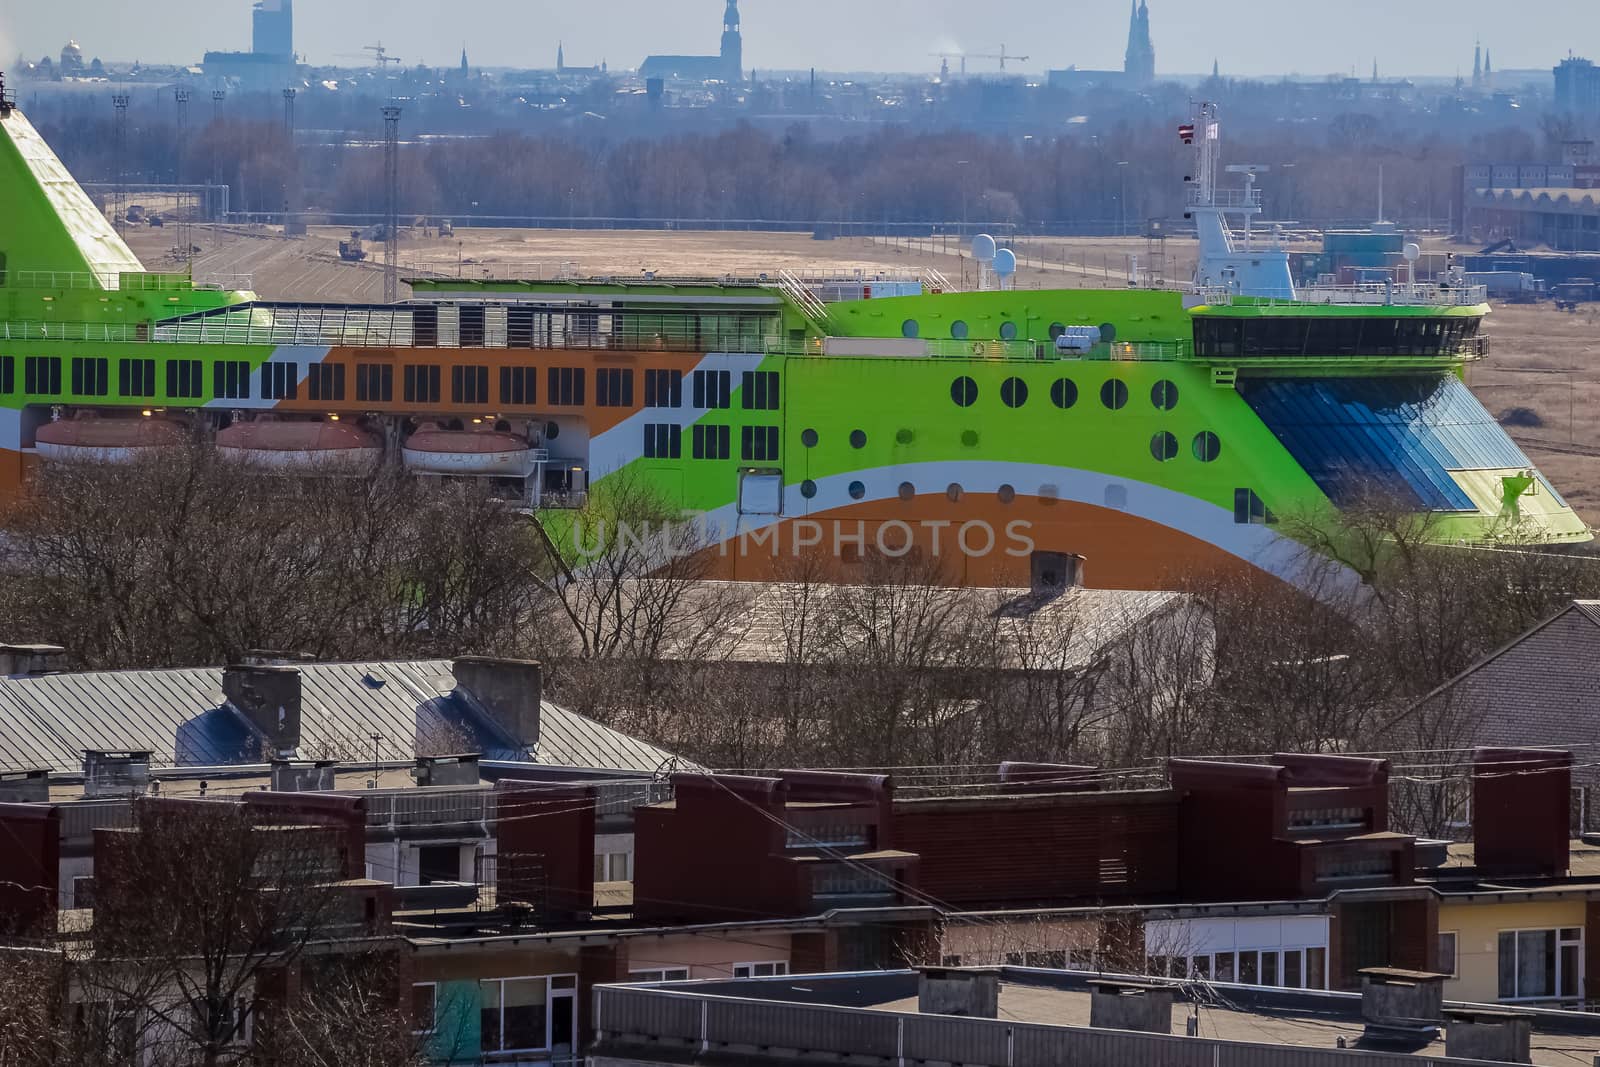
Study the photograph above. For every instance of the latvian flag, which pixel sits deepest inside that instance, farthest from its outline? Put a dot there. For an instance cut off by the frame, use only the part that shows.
(1186, 132)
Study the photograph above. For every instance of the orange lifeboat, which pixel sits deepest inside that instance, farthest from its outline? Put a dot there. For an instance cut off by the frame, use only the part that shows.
(87, 436)
(478, 453)
(300, 444)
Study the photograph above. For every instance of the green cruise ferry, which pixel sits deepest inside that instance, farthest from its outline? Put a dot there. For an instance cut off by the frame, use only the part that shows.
(1111, 438)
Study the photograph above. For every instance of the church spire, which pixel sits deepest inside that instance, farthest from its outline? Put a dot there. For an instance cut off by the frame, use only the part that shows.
(1139, 64)
(561, 56)
(1477, 65)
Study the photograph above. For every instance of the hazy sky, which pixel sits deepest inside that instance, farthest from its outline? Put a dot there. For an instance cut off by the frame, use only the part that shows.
(1246, 36)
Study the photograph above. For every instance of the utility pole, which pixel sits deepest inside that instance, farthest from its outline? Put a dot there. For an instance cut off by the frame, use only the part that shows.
(180, 96)
(217, 97)
(292, 176)
(120, 149)
(391, 244)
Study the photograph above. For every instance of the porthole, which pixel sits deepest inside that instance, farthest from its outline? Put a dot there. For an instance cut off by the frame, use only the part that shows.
(1014, 392)
(910, 328)
(552, 430)
(964, 391)
(1164, 395)
(857, 490)
(953, 491)
(969, 438)
(1207, 446)
(904, 436)
(1164, 447)
(808, 438)
(858, 439)
(1006, 494)
(1114, 394)
(907, 491)
(1063, 393)
(1108, 333)
(958, 330)
(1056, 330)
(1008, 331)
(808, 488)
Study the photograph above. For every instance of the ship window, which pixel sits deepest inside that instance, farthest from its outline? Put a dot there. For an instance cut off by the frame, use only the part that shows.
(135, 377)
(964, 391)
(909, 328)
(230, 379)
(1008, 331)
(1063, 393)
(712, 389)
(1013, 392)
(1206, 446)
(710, 442)
(613, 387)
(519, 385)
(8, 373)
(953, 491)
(1114, 394)
(1164, 447)
(958, 330)
(472, 319)
(908, 491)
(663, 388)
(279, 381)
(758, 390)
(1006, 494)
(858, 439)
(91, 375)
(1164, 395)
(469, 385)
(374, 382)
(808, 438)
(326, 381)
(857, 490)
(1056, 330)
(421, 383)
(808, 489)
(758, 444)
(184, 379)
(566, 386)
(1249, 510)
(663, 440)
(41, 375)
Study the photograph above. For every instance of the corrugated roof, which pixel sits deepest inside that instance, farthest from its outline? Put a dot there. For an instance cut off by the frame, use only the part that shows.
(182, 718)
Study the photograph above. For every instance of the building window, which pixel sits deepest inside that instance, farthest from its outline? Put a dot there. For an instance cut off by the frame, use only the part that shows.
(758, 390)
(325, 381)
(964, 391)
(184, 380)
(1207, 446)
(512, 1014)
(91, 375)
(469, 385)
(1114, 394)
(230, 379)
(663, 440)
(1540, 964)
(374, 383)
(1013, 392)
(519, 385)
(1447, 954)
(1249, 510)
(758, 444)
(41, 375)
(712, 389)
(280, 381)
(438, 863)
(760, 970)
(1063, 393)
(613, 867)
(424, 1007)
(1164, 395)
(8, 373)
(565, 386)
(613, 387)
(663, 388)
(711, 442)
(660, 974)
(1164, 447)
(421, 383)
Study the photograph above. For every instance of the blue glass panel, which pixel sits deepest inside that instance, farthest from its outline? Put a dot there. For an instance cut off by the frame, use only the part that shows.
(1397, 437)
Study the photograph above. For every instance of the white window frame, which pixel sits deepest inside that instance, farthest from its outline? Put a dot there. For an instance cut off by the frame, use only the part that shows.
(1455, 952)
(659, 974)
(1560, 943)
(551, 992)
(433, 1024)
(779, 969)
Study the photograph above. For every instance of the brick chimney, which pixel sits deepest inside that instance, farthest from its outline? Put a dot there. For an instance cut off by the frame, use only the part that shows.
(1521, 809)
(509, 691)
(269, 697)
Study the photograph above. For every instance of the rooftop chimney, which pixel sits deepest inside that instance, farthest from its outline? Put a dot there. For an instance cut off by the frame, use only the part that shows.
(115, 774)
(269, 697)
(1520, 810)
(1139, 1006)
(303, 776)
(25, 787)
(1399, 1005)
(1488, 1034)
(507, 690)
(1050, 573)
(446, 770)
(968, 993)
(31, 659)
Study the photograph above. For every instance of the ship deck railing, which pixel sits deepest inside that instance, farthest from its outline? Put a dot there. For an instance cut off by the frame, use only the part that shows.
(152, 282)
(1372, 294)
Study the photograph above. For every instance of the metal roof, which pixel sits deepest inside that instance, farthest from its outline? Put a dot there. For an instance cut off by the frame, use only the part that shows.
(182, 718)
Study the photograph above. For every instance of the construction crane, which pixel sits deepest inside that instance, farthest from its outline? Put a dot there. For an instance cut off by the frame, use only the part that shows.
(1003, 56)
(380, 56)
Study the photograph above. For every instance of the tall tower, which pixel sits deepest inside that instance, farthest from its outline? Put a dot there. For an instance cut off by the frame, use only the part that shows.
(1477, 66)
(561, 57)
(1140, 62)
(732, 44)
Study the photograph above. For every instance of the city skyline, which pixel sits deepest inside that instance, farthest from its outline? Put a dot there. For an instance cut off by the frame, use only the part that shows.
(1291, 37)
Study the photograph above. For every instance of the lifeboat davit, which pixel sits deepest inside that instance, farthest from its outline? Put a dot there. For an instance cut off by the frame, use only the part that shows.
(106, 440)
(480, 453)
(301, 445)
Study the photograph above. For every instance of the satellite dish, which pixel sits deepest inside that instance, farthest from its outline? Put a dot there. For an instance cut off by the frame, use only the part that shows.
(983, 247)
(1005, 262)
(1413, 252)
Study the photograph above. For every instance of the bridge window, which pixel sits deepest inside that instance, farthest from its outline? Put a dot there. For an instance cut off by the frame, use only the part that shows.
(759, 390)
(91, 376)
(713, 389)
(184, 379)
(663, 388)
(613, 387)
(421, 383)
(758, 444)
(230, 379)
(566, 386)
(374, 383)
(663, 441)
(519, 385)
(326, 381)
(469, 385)
(41, 375)
(279, 381)
(710, 442)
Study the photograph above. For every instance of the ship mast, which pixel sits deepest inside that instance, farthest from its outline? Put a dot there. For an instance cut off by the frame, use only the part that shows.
(1238, 268)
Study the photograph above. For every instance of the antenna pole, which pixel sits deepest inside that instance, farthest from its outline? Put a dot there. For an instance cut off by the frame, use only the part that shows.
(185, 243)
(120, 149)
(391, 225)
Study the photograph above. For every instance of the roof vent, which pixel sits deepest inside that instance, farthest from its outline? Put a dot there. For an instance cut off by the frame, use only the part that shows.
(31, 659)
(115, 774)
(25, 787)
(303, 776)
(1139, 1006)
(446, 770)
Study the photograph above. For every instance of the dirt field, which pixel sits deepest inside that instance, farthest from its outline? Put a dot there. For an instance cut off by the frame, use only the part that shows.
(1542, 379)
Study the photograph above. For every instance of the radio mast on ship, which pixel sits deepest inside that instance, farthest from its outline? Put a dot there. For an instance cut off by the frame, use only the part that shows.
(1237, 267)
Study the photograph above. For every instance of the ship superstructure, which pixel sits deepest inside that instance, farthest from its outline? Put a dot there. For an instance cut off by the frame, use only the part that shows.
(1117, 437)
